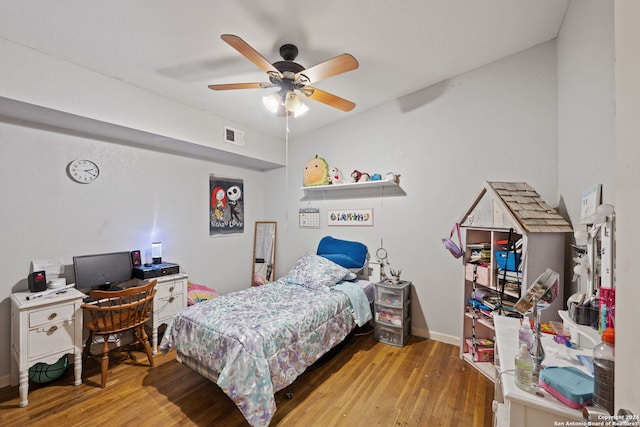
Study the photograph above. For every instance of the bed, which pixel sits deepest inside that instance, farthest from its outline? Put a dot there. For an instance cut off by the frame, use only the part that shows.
(257, 341)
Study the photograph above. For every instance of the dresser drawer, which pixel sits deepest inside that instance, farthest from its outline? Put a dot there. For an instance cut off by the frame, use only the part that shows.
(167, 306)
(51, 314)
(390, 315)
(50, 338)
(394, 335)
(168, 289)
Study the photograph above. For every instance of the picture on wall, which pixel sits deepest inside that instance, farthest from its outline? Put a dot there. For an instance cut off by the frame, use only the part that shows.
(226, 206)
(350, 217)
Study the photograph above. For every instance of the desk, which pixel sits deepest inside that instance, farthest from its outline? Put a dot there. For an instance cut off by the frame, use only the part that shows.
(171, 297)
(44, 330)
(515, 407)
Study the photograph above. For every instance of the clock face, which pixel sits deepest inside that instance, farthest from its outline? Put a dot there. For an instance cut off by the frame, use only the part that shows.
(83, 171)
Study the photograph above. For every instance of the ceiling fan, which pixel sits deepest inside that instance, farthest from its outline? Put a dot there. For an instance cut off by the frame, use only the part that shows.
(292, 78)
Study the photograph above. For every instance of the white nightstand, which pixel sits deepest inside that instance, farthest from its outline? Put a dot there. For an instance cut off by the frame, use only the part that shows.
(43, 330)
(171, 297)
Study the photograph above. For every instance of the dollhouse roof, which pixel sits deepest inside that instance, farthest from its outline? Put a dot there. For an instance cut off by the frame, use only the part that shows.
(514, 205)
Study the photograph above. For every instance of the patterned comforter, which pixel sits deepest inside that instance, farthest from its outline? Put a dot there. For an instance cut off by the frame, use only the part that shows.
(259, 340)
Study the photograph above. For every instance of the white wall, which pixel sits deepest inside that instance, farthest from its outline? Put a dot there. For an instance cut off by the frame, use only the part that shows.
(586, 106)
(627, 72)
(32, 77)
(497, 122)
(141, 196)
(598, 70)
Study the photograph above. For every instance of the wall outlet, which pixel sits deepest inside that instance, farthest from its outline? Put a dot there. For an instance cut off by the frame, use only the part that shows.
(233, 136)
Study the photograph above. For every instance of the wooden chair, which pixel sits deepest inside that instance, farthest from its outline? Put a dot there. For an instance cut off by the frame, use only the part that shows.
(114, 312)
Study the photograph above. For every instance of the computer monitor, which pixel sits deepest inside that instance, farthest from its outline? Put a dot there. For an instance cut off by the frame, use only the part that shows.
(102, 271)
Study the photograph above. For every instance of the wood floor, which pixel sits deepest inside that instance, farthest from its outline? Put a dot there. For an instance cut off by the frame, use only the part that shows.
(364, 384)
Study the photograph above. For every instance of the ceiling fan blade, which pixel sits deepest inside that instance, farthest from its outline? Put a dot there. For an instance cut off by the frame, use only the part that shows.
(327, 98)
(248, 52)
(231, 86)
(331, 67)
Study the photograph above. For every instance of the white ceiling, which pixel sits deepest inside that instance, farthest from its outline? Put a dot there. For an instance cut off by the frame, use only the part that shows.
(173, 48)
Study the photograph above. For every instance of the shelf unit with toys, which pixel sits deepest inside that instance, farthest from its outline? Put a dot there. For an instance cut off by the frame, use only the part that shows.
(508, 227)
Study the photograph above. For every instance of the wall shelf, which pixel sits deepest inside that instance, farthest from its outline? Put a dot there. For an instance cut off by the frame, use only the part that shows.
(353, 190)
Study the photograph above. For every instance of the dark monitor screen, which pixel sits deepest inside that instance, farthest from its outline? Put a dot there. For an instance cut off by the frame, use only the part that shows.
(101, 271)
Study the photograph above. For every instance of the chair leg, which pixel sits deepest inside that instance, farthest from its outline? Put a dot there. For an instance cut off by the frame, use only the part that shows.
(147, 346)
(87, 348)
(104, 362)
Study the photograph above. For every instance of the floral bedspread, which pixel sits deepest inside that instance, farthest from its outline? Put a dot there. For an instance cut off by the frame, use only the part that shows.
(261, 339)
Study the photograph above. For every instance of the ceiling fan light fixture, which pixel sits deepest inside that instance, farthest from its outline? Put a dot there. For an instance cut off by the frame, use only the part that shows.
(300, 111)
(272, 101)
(293, 104)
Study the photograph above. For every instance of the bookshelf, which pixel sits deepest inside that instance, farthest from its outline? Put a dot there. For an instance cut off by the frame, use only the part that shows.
(491, 228)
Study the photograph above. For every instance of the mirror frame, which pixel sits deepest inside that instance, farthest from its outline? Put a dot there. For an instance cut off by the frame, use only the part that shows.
(271, 268)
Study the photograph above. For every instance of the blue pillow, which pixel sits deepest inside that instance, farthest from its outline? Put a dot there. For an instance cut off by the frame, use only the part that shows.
(343, 252)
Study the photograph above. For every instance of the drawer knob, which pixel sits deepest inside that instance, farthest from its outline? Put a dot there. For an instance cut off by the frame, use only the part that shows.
(171, 299)
(171, 289)
(52, 329)
(52, 316)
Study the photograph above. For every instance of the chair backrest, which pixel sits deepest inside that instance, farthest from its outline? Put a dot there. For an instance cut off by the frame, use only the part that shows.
(117, 311)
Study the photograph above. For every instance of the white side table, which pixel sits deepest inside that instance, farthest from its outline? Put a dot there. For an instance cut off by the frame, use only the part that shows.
(43, 330)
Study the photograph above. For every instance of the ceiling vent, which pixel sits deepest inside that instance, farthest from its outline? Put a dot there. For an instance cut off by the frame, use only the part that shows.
(233, 136)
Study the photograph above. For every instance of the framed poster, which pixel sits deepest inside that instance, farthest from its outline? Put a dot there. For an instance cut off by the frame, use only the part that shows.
(226, 206)
(591, 198)
(356, 217)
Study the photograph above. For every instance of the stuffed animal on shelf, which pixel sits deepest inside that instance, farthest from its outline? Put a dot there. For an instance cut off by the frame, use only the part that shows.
(335, 176)
(376, 177)
(316, 172)
(393, 177)
(360, 176)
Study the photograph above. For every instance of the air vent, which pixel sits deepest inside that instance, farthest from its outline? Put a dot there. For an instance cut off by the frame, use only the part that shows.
(233, 136)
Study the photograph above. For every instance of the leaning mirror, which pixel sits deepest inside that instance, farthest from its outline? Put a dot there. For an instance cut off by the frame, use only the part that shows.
(264, 253)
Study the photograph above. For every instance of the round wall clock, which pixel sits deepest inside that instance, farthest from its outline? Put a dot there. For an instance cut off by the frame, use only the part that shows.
(83, 171)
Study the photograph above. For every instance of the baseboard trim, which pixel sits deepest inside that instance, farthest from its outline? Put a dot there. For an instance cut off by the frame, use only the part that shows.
(5, 381)
(425, 333)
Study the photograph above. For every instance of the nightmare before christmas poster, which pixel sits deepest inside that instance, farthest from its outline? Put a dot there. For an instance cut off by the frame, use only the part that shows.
(226, 206)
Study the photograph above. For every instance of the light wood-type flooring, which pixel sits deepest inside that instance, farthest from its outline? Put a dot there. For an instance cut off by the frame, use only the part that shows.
(365, 383)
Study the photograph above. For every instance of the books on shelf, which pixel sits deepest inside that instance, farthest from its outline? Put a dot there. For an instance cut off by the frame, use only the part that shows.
(479, 253)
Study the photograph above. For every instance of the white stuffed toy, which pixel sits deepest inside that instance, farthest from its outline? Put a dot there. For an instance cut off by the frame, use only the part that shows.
(335, 176)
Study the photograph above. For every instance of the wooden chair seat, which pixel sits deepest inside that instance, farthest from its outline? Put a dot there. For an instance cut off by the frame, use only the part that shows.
(115, 312)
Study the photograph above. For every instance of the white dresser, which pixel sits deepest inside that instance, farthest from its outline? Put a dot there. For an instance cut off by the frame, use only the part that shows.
(43, 330)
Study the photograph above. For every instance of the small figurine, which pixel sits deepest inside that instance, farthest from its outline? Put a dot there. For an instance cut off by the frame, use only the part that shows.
(393, 177)
(335, 176)
(376, 177)
(360, 176)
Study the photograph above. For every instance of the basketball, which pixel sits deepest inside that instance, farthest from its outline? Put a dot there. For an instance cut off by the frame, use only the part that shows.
(42, 373)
